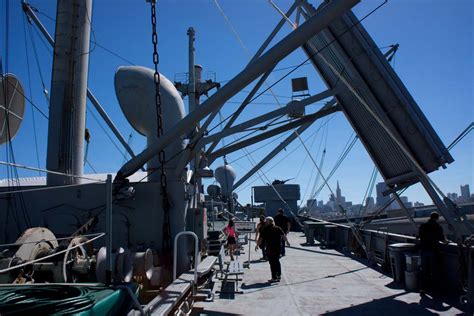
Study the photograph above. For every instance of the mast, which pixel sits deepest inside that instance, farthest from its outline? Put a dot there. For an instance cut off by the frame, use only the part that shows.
(68, 91)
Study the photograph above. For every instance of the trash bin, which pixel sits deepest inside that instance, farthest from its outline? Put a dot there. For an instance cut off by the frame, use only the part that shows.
(397, 259)
(330, 236)
(309, 232)
(413, 262)
(411, 280)
(412, 273)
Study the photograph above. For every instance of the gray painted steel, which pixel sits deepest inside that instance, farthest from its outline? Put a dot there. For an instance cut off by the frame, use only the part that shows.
(249, 141)
(273, 153)
(292, 106)
(356, 58)
(90, 95)
(267, 192)
(282, 49)
(68, 91)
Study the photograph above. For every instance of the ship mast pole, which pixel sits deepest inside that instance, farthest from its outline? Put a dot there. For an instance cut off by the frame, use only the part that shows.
(69, 91)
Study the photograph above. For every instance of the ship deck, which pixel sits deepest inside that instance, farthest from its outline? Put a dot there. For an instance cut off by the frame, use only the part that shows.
(318, 281)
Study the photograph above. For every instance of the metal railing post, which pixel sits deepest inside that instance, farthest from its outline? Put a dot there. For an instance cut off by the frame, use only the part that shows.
(108, 223)
(175, 253)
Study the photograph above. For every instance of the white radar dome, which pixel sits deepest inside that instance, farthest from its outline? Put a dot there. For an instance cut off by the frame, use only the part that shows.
(225, 175)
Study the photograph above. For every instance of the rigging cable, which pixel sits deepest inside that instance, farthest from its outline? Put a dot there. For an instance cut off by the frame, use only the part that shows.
(287, 155)
(368, 191)
(94, 41)
(463, 134)
(321, 162)
(312, 169)
(318, 52)
(251, 160)
(31, 96)
(45, 91)
(12, 172)
(269, 88)
(261, 147)
(401, 146)
(347, 148)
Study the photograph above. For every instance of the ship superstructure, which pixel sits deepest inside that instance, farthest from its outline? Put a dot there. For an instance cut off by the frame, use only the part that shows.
(143, 230)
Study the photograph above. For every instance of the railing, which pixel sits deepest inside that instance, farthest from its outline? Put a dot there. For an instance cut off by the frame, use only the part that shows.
(196, 250)
(453, 272)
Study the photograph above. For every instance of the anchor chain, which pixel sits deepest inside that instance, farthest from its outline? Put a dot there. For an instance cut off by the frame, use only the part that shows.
(167, 240)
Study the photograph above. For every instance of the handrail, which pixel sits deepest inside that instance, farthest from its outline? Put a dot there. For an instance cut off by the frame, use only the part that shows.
(175, 253)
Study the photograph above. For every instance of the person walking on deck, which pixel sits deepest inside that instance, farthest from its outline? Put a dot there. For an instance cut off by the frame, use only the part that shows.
(282, 221)
(229, 231)
(272, 235)
(260, 227)
(430, 234)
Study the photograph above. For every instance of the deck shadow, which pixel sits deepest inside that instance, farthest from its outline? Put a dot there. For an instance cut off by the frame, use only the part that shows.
(385, 306)
(258, 285)
(316, 251)
(316, 244)
(202, 311)
(227, 291)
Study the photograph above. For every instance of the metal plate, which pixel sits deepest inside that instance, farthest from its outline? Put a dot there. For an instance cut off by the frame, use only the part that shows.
(346, 51)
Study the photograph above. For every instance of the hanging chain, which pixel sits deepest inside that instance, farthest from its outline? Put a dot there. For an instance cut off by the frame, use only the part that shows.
(166, 242)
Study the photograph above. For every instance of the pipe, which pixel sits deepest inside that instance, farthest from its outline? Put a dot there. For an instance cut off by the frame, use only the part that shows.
(175, 254)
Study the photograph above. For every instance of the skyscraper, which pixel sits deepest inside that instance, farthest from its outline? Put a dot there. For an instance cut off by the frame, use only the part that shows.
(465, 193)
(381, 199)
(338, 193)
(369, 202)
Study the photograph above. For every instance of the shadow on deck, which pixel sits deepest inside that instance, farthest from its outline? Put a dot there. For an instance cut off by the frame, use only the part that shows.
(391, 306)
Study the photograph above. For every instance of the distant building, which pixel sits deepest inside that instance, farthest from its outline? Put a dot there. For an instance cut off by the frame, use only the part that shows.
(452, 196)
(370, 203)
(465, 193)
(381, 199)
(418, 204)
(338, 193)
(312, 203)
(405, 201)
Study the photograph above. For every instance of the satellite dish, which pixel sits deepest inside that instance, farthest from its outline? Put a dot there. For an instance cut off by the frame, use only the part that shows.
(12, 107)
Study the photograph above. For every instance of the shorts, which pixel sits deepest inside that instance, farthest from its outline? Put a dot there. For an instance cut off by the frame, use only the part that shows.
(231, 240)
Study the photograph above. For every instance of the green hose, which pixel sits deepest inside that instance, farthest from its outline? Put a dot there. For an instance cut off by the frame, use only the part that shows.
(48, 299)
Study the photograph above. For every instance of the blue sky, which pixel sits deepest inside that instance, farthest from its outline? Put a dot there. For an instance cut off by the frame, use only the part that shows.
(435, 61)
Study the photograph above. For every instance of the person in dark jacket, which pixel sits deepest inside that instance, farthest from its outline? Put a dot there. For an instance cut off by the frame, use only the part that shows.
(430, 234)
(272, 235)
(260, 227)
(282, 221)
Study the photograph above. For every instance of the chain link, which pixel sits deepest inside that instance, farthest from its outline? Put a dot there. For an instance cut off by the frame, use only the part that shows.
(166, 245)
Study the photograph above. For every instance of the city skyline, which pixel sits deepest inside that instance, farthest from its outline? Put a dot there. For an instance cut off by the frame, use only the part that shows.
(380, 200)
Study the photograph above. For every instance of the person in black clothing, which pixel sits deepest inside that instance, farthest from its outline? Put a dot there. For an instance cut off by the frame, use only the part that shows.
(282, 221)
(272, 235)
(430, 234)
(260, 227)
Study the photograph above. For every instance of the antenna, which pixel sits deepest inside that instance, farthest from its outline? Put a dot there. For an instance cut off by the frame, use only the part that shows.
(12, 107)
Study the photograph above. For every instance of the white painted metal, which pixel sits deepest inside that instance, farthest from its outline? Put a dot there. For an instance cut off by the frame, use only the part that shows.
(135, 90)
(196, 254)
(68, 91)
(225, 175)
